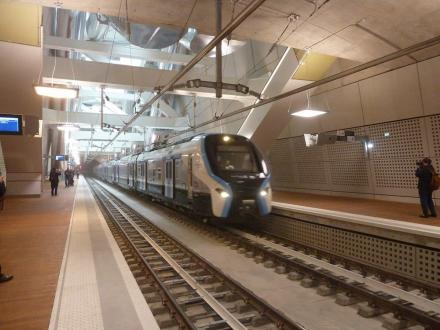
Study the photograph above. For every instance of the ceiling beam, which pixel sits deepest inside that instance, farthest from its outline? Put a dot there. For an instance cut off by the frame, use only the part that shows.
(117, 50)
(95, 74)
(54, 116)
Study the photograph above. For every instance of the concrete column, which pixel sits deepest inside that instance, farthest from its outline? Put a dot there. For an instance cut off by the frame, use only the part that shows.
(19, 67)
(264, 124)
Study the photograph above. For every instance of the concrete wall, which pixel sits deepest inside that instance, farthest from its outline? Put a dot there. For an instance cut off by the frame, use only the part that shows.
(397, 110)
(19, 68)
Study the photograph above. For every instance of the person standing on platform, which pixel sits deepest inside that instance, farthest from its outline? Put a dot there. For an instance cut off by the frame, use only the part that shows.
(54, 180)
(424, 173)
(66, 177)
(2, 191)
(4, 277)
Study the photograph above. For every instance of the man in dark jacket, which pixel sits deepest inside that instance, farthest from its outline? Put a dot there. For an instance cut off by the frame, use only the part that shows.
(424, 172)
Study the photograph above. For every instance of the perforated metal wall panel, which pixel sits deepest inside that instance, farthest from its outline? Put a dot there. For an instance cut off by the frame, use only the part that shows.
(392, 173)
(434, 122)
(400, 139)
(281, 157)
(397, 257)
(386, 169)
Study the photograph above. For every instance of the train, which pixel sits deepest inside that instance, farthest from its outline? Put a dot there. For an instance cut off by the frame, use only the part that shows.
(211, 175)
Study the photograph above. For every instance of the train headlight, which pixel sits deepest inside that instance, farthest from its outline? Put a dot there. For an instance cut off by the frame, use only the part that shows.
(263, 193)
(224, 194)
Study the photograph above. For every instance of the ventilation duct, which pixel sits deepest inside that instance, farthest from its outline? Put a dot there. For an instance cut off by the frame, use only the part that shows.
(196, 42)
(137, 34)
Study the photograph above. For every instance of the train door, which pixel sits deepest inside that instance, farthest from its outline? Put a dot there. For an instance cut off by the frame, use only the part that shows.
(169, 178)
(190, 176)
(145, 175)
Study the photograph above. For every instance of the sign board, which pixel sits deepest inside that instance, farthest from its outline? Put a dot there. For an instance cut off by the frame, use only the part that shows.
(11, 124)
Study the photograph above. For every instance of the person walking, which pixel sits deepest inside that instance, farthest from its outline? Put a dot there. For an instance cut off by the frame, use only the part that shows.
(424, 173)
(54, 180)
(2, 191)
(4, 277)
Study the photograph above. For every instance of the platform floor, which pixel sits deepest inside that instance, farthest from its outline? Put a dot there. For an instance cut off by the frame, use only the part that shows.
(375, 208)
(303, 305)
(32, 237)
(96, 289)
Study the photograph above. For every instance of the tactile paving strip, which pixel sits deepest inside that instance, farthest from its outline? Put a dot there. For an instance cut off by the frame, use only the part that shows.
(397, 257)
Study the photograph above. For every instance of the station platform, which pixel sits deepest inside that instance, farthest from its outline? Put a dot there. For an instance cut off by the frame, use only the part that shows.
(33, 233)
(68, 270)
(384, 210)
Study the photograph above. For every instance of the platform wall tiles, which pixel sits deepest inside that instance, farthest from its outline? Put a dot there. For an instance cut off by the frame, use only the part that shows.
(386, 171)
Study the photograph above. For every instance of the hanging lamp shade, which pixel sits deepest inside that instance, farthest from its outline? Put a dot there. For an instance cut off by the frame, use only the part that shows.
(59, 92)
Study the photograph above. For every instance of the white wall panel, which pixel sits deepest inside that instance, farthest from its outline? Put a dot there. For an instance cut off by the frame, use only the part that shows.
(344, 108)
(429, 73)
(391, 96)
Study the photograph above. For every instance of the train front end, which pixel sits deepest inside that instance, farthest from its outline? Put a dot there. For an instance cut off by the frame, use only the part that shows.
(242, 177)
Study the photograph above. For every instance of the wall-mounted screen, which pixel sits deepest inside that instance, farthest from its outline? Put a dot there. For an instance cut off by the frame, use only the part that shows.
(62, 157)
(11, 124)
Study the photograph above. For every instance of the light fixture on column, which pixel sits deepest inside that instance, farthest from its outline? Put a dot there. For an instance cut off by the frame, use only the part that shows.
(308, 113)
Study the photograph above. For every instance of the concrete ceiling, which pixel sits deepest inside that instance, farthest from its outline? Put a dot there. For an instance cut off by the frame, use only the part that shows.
(383, 25)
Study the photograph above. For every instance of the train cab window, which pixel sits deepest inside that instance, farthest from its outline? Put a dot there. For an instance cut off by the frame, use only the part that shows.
(235, 158)
(232, 156)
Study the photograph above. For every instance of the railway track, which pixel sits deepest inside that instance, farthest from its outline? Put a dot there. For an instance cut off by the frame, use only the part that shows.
(183, 290)
(403, 306)
(376, 296)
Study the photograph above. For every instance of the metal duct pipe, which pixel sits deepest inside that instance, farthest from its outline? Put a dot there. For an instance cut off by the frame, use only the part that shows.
(249, 9)
(361, 67)
(218, 50)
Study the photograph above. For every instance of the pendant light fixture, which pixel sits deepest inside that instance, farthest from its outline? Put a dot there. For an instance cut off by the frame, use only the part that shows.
(51, 90)
(308, 113)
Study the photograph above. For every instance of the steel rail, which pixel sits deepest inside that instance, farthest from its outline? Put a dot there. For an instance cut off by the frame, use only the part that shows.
(227, 30)
(385, 301)
(262, 307)
(430, 289)
(230, 319)
(411, 49)
(177, 308)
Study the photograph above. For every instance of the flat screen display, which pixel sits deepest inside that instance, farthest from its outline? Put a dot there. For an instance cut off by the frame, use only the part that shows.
(59, 157)
(11, 124)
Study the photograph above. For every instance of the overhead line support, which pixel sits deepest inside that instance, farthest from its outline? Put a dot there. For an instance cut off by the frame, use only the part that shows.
(249, 9)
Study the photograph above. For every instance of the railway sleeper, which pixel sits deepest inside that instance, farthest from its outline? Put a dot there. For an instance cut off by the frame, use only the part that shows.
(396, 322)
(158, 308)
(346, 299)
(179, 281)
(181, 291)
(369, 310)
(152, 297)
(165, 320)
(198, 299)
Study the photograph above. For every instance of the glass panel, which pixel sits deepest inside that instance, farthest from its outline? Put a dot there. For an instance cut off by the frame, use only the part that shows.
(236, 158)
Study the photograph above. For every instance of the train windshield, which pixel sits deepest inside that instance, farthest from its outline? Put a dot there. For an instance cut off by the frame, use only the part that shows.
(233, 155)
(236, 158)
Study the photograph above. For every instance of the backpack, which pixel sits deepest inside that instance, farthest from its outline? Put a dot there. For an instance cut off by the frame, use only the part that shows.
(435, 181)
